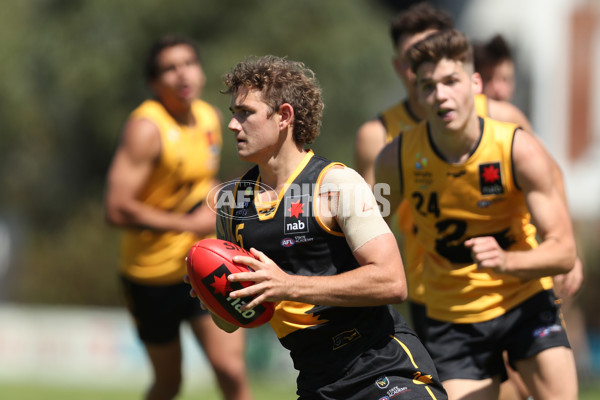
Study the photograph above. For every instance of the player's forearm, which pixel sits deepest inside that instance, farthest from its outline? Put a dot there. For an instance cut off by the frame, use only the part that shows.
(141, 216)
(551, 257)
(364, 286)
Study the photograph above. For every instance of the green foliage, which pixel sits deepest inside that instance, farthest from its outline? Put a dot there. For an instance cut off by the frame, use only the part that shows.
(73, 71)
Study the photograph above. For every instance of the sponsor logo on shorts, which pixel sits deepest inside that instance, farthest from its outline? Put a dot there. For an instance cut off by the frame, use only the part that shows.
(384, 398)
(395, 391)
(547, 330)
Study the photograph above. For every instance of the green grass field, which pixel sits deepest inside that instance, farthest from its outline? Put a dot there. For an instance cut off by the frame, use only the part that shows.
(263, 390)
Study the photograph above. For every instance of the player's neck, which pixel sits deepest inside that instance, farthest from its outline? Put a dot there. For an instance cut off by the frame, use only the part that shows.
(181, 113)
(415, 109)
(457, 146)
(279, 168)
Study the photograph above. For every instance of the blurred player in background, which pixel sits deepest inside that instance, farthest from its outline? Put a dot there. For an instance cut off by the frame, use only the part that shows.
(163, 168)
(495, 64)
(407, 28)
(474, 186)
(324, 252)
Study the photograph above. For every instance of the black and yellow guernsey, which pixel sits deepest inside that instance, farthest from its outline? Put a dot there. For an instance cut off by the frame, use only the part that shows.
(322, 340)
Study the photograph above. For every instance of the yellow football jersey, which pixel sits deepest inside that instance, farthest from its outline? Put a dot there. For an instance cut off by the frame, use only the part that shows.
(453, 202)
(182, 178)
(396, 120)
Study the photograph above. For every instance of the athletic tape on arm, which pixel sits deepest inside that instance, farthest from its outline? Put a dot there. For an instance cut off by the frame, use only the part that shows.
(357, 211)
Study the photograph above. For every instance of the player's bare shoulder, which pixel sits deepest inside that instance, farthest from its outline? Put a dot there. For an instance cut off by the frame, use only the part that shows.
(530, 159)
(140, 139)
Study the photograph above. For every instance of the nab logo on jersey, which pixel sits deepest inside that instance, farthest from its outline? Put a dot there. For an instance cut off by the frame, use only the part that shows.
(296, 214)
(490, 178)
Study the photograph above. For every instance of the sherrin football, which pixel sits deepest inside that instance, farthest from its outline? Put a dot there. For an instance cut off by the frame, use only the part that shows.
(209, 263)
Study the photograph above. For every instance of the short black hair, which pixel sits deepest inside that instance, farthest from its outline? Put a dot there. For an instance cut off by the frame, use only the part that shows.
(166, 41)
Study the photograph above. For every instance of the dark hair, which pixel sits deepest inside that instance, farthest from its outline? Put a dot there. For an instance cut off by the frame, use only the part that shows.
(418, 18)
(491, 53)
(282, 81)
(449, 43)
(170, 40)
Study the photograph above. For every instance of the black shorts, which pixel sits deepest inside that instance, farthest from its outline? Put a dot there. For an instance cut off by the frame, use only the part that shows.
(418, 318)
(474, 351)
(159, 310)
(397, 368)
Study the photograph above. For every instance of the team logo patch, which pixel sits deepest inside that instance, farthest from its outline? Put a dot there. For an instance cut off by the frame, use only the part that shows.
(296, 214)
(382, 382)
(490, 178)
(422, 378)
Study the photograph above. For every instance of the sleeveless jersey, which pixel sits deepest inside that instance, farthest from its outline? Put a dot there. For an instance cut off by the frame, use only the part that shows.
(396, 120)
(454, 202)
(322, 340)
(182, 178)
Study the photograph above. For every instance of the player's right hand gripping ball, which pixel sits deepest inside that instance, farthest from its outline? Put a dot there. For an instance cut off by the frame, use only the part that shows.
(209, 262)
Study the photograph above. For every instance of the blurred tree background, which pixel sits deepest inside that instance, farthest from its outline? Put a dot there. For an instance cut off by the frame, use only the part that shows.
(72, 72)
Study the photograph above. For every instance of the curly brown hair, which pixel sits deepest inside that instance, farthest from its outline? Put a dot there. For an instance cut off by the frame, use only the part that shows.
(282, 81)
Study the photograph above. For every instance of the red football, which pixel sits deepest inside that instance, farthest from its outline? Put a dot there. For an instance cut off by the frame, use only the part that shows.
(209, 262)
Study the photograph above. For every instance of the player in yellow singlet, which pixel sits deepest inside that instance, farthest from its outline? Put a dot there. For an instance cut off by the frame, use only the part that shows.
(407, 28)
(161, 173)
(479, 191)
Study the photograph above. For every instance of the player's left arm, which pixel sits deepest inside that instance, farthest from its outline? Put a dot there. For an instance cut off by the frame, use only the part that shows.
(565, 285)
(387, 176)
(370, 139)
(556, 252)
(378, 280)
